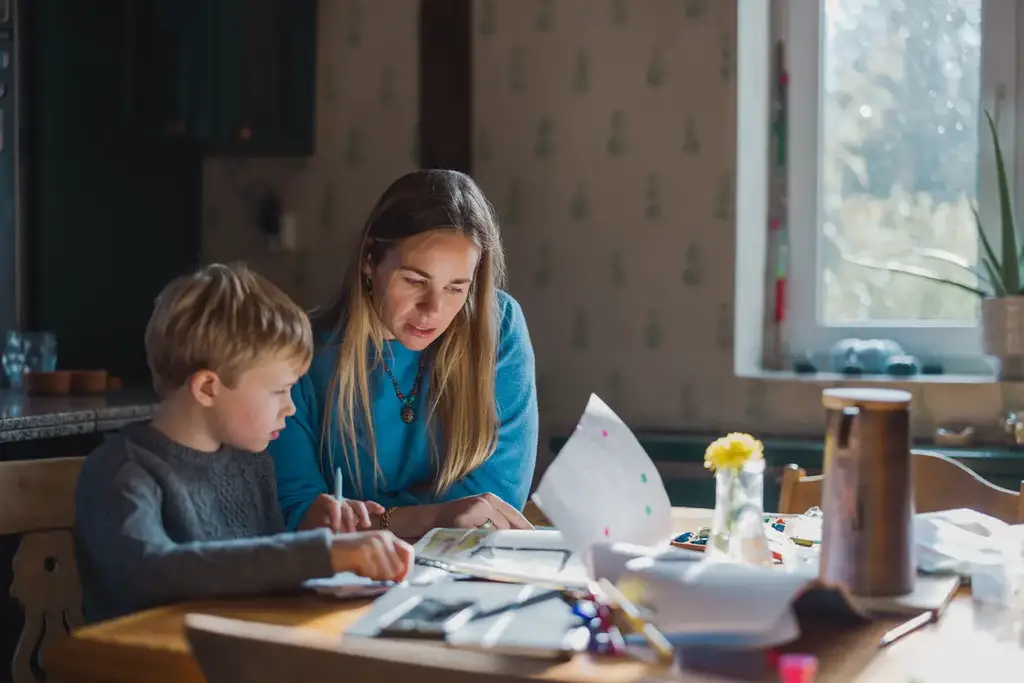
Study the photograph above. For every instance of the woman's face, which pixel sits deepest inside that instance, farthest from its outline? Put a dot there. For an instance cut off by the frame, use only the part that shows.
(421, 284)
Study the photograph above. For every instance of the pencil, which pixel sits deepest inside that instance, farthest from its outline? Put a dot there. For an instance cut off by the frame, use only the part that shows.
(908, 627)
(658, 642)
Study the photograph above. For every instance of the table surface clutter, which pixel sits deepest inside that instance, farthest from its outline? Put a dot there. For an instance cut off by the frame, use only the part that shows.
(969, 636)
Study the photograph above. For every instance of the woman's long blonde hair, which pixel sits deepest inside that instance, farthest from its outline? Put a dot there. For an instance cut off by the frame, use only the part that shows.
(462, 409)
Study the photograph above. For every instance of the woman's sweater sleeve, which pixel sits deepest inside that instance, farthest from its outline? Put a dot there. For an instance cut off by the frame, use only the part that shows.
(296, 454)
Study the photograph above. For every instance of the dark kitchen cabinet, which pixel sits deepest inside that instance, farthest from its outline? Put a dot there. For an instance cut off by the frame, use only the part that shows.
(267, 69)
(233, 77)
(170, 76)
(109, 218)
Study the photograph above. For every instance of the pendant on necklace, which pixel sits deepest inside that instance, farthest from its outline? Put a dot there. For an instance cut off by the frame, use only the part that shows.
(408, 414)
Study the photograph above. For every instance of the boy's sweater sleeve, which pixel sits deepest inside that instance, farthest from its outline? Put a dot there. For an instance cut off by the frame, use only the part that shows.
(120, 526)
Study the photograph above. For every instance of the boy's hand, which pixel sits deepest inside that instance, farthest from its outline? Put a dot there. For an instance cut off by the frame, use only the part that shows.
(377, 555)
(352, 515)
(355, 514)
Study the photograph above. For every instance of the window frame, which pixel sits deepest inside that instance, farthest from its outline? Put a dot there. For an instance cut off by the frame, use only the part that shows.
(958, 347)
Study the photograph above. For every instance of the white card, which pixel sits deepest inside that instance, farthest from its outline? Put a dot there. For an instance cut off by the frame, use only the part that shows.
(603, 487)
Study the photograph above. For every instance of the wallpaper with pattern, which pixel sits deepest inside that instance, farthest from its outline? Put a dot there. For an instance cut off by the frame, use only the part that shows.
(605, 136)
(367, 99)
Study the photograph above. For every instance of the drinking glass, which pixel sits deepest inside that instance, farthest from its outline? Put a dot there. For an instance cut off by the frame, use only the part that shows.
(41, 351)
(15, 352)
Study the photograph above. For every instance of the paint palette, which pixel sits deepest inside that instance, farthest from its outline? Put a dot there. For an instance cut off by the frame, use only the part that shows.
(693, 540)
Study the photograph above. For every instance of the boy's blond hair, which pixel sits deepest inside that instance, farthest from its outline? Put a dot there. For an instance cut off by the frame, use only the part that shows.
(226, 319)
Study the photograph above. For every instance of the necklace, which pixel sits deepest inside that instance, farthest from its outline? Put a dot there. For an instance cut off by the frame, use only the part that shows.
(408, 413)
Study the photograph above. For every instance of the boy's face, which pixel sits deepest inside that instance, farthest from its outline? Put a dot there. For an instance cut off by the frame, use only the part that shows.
(252, 414)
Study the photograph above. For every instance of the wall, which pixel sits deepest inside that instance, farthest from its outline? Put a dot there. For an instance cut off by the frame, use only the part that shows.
(605, 135)
(367, 94)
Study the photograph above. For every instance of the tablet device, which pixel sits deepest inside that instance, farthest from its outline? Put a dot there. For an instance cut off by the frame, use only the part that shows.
(427, 617)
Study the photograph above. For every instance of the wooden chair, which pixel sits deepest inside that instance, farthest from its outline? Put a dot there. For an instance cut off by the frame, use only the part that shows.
(229, 651)
(940, 483)
(37, 503)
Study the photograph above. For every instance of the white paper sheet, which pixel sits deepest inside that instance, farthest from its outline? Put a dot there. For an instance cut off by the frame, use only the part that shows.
(603, 488)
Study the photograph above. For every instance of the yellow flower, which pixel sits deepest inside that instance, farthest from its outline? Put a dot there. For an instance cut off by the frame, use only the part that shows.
(732, 451)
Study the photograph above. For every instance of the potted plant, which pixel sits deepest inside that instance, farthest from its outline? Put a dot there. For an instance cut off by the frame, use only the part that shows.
(1000, 279)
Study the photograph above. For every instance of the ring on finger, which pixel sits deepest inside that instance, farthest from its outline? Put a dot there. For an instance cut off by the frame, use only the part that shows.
(487, 524)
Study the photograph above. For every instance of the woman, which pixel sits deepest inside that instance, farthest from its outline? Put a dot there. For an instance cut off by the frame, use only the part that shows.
(422, 393)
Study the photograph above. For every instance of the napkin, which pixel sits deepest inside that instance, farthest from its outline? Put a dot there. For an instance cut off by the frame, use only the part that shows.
(978, 547)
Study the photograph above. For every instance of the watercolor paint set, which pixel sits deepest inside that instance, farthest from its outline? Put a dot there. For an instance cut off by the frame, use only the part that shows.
(802, 530)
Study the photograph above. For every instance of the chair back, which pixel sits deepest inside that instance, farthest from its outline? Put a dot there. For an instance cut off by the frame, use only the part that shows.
(940, 483)
(37, 503)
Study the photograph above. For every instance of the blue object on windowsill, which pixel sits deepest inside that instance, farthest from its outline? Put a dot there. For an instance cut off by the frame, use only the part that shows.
(863, 356)
(902, 366)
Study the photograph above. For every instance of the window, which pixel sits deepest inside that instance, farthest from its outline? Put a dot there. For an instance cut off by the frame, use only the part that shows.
(888, 151)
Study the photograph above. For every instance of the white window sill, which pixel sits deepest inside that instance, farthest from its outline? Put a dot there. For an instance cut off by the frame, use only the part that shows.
(832, 378)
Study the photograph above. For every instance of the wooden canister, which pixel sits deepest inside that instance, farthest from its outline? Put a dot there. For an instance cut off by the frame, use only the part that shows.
(867, 543)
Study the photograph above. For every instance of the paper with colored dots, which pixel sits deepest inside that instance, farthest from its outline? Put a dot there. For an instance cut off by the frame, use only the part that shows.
(603, 487)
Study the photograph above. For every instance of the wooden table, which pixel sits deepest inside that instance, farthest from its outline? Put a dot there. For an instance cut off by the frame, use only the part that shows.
(150, 646)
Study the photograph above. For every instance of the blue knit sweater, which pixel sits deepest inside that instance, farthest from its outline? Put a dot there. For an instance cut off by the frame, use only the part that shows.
(303, 464)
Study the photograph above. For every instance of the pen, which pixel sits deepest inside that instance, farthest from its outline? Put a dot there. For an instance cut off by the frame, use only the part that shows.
(338, 495)
(658, 642)
(907, 628)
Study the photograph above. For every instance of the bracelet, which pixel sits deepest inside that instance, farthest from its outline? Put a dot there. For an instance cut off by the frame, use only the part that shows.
(385, 519)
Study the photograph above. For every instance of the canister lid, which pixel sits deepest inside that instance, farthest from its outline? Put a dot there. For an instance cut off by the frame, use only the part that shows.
(868, 398)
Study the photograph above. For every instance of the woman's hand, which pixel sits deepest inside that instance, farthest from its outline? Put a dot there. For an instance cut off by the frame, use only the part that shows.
(475, 511)
(352, 515)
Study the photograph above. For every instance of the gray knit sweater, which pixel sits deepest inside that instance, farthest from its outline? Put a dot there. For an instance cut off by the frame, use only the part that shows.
(157, 522)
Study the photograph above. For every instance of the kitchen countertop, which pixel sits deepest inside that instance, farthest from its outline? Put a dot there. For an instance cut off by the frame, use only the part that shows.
(24, 418)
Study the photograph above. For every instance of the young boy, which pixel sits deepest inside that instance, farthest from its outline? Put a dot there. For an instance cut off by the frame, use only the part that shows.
(185, 507)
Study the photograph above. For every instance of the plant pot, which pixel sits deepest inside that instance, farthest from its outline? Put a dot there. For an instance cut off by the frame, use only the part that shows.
(1002, 335)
